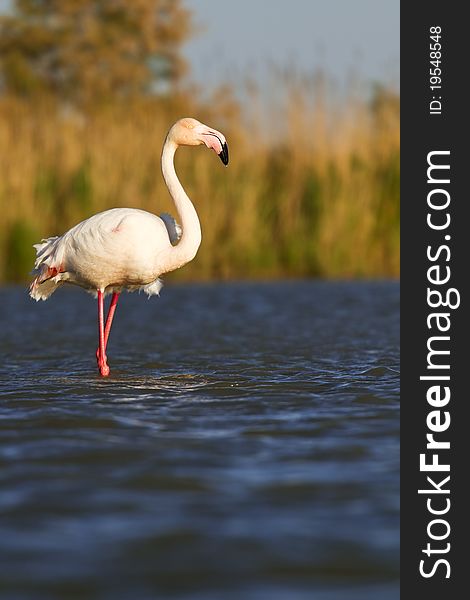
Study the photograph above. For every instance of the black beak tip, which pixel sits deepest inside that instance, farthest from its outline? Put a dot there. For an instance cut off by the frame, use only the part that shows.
(224, 154)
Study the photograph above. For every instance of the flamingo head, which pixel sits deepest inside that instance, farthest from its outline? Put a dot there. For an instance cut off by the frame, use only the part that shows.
(190, 132)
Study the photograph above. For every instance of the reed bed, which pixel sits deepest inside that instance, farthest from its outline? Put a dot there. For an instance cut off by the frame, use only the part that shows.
(312, 188)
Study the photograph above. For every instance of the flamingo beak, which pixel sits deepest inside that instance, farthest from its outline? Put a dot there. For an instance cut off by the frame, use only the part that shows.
(223, 154)
(215, 140)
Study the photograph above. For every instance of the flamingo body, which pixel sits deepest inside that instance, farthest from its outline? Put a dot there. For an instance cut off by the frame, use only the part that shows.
(127, 248)
(121, 248)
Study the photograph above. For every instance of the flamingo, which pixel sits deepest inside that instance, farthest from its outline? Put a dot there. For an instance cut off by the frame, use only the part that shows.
(127, 248)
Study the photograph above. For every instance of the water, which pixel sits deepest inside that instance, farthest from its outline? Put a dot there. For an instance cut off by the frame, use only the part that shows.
(244, 447)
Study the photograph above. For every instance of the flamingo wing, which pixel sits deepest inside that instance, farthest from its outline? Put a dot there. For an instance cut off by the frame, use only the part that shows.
(174, 229)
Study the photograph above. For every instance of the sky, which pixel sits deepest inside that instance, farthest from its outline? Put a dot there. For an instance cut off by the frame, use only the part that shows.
(241, 37)
(237, 38)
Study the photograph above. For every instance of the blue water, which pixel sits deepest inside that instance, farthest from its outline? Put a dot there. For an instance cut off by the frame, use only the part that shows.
(245, 445)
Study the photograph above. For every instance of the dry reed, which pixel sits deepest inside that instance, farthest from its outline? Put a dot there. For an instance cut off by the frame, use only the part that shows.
(316, 196)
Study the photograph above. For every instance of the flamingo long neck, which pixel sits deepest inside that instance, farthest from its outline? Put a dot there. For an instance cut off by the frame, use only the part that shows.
(190, 240)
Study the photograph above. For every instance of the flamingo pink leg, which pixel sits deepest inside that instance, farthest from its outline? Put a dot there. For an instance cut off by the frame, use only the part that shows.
(102, 365)
(109, 322)
(109, 318)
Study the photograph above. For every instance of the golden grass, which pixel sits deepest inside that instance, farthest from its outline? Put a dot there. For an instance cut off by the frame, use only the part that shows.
(319, 196)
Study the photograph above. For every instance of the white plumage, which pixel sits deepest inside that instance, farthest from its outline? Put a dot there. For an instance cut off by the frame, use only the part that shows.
(121, 248)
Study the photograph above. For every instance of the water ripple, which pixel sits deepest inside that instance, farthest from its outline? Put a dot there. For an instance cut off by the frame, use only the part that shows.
(249, 450)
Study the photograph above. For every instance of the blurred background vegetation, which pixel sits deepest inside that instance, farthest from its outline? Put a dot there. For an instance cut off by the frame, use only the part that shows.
(88, 91)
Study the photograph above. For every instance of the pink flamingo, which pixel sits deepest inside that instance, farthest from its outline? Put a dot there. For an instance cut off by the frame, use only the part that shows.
(127, 248)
